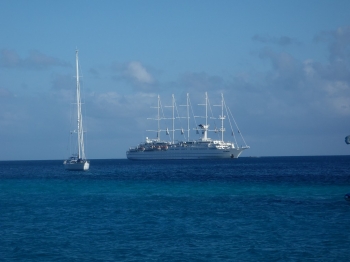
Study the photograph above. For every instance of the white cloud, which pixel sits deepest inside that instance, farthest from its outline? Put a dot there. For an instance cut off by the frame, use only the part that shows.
(336, 87)
(339, 43)
(308, 68)
(139, 73)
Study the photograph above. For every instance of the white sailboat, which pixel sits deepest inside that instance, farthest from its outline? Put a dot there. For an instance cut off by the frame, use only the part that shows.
(78, 160)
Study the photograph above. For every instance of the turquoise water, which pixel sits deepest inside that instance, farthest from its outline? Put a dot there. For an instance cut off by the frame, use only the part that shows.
(248, 209)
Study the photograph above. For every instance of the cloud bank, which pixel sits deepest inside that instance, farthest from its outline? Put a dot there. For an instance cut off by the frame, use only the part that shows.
(280, 41)
(35, 60)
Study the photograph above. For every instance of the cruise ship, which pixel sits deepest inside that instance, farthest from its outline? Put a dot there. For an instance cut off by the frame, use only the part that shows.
(202, 148)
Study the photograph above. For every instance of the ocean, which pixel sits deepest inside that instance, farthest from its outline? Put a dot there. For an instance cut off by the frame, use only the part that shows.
(245, 209)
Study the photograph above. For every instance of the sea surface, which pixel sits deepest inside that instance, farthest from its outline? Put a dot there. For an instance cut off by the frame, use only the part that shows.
(246, 209)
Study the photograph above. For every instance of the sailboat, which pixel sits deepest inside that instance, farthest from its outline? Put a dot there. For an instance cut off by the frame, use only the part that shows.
(78, 160)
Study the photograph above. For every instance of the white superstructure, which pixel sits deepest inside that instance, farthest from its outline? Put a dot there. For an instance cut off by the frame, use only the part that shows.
(202, 148)
(78, 160)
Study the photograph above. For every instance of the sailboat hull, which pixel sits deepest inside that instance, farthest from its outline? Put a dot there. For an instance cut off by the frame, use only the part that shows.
(76, 166)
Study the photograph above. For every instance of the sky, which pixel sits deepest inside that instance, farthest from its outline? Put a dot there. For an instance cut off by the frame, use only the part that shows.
(282, 66)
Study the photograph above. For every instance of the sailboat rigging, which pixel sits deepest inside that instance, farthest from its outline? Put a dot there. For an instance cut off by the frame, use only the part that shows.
(78, 160)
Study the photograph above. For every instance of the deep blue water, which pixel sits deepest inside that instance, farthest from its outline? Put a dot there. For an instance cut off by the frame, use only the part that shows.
(247, 209)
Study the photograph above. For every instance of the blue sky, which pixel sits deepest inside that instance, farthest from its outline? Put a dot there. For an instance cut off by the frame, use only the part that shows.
(283, 67)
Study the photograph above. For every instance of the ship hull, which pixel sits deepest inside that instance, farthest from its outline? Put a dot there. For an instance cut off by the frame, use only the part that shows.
(186, 153)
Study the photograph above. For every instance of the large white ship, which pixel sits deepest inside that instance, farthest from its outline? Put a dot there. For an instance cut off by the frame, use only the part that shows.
(202, 148)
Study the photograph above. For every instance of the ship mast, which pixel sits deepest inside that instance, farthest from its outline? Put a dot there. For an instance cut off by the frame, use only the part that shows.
(188, 118)
(206, 109)
(206, 126)
(158, 118)
(173, 118)
(222, 117)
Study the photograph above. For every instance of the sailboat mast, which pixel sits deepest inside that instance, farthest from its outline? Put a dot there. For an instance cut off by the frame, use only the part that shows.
(81, 153)
(78, 161)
